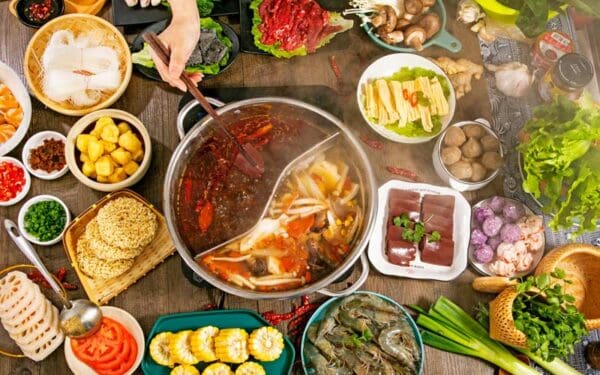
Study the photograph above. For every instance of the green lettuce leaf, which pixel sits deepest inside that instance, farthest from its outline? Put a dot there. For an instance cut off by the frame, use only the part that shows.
(143, 58)
(275, 50)
(205, 7)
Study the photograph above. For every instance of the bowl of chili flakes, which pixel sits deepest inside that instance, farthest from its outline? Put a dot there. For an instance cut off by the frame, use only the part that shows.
(44, 155)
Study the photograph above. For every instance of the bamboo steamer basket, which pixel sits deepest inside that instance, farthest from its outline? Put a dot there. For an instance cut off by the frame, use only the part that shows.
(581, 264)
(77, 24)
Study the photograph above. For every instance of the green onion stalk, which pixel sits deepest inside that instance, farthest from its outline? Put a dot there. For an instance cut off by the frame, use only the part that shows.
(448, 327)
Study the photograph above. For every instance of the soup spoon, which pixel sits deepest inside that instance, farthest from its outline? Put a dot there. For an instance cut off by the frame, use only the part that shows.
(78, 318)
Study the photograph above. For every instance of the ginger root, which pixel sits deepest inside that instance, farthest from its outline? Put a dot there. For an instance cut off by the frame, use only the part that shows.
(460, 72)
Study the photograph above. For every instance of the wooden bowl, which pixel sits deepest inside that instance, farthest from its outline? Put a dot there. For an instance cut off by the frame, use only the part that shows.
(76, 23)
(85, 124)
(101, 291)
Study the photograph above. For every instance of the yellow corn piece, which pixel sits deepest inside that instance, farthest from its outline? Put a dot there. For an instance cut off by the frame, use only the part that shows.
(159, 349)
(231, 345)
(217, 369)
(266, 344)
(181, 348)
(250, 368)
(203, 343)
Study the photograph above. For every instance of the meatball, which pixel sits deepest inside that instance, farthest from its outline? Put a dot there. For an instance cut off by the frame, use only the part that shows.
(454, 136)
(474, 131)
(472, 148)
(450, 155)
(489, 143)
(491, 160)
(461, 170)
(484, 254)
(479, 172)
(491, 226)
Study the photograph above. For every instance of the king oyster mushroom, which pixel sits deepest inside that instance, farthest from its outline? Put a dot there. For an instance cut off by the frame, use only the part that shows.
(427, 4)
(415, 36)
(431, 23)
(391, 18)
(412, 8)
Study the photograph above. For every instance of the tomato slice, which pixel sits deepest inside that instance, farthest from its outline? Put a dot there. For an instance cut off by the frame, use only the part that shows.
(94, 350)
(106, 349)
(116, 361)
(125, 364)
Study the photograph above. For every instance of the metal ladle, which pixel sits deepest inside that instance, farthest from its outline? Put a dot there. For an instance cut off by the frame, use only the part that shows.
(78, 318)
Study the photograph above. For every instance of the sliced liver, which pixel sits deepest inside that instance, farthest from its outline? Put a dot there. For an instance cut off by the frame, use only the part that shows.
(440, 252)
(401, 252)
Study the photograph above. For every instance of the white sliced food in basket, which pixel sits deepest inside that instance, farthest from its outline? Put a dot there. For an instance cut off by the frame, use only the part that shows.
(19, 305)
(46, 348)
(51, 329)
(14, 289)
(36, 329)
(29, 319)
(19, 315)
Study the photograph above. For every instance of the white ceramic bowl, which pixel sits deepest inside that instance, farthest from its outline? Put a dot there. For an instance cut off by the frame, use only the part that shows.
(82, 124)
(389, 65)
(29, 203)
(13, 82)
(25, 190)
(37, 140)
(129, 322)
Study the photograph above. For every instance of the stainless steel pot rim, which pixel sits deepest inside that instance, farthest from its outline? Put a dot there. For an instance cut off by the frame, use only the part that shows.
(247, 293)
(461, 124)
(187, 108)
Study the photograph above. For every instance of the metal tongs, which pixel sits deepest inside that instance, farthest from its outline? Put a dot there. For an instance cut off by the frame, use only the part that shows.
(305, 158)
(248, 159)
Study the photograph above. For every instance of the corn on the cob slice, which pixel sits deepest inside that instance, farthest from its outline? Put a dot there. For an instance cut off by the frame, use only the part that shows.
(250, 368)
(181, 348)
(266, 344)
(231, 345)
(203, 343)
(159, 349)
(185, 370)
(217, 369)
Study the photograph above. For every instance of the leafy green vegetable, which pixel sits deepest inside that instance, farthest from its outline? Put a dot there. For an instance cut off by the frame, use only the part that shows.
(45, 220)
(435, 236)
(414, 231)
(401, 221)
(335, 19)
(143, 58)
(205, 7)
(561, 162)
(547, 316)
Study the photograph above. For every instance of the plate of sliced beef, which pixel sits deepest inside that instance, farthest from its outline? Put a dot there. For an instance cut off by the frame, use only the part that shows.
(421, 231)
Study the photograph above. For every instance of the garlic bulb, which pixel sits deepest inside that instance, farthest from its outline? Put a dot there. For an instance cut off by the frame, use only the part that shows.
(469, 11)
(512, 79)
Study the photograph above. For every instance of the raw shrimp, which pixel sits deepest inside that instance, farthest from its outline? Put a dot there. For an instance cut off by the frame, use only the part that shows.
(398, 341)
(320, 363)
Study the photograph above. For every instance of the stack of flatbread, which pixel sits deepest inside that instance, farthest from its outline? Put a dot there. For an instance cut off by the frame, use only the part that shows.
(28, 316)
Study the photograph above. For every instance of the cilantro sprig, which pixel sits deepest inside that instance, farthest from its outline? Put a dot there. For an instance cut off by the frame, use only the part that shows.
(416, 232)
(546, 315)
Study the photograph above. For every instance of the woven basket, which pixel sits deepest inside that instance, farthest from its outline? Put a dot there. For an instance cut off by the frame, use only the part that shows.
(582, 266)
(77, 24)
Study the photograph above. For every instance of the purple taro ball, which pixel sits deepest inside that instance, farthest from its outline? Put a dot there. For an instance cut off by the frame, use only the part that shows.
(482, 213)
(513, 211)
(510, 233)
(494, 242)
(497, 204)
(491, 226)
(484, 254)
(478, 238)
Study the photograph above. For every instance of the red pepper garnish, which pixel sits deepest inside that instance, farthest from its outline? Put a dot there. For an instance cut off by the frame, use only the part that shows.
(12, 180)
(405, 94)
(335, 67)
(60, 274)
(414, 99)
(205, 215)
(402, 172)
(372, 143)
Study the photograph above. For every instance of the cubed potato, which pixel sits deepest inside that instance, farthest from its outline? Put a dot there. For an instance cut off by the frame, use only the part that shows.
(123, 127)
(131, 167)
(121, 155)
(110, 133)
(104, 166)
(102, 179)
(83, 140)
(130, 142)
(108, 146)
(138, 155)
(102, 122)
(95, 133)
(89, 169)
(117, 176)
(83, 157)
(95, 150)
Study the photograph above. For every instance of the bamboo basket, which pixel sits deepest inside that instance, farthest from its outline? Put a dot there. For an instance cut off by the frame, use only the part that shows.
(100, 291)
(76, 23)
(581, 264)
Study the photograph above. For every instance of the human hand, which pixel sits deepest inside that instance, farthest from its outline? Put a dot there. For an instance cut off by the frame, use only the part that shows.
(181, 38)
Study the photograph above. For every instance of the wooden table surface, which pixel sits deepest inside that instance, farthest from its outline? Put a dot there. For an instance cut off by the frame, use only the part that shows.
(165, 289)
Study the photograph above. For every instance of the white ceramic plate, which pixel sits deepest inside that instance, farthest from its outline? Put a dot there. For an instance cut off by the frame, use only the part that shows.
(25, 190)
(418, 269)
(13, 82)
(29, 203)
(387, 66)
(483, 268)
(37, 140)
(129, 322)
